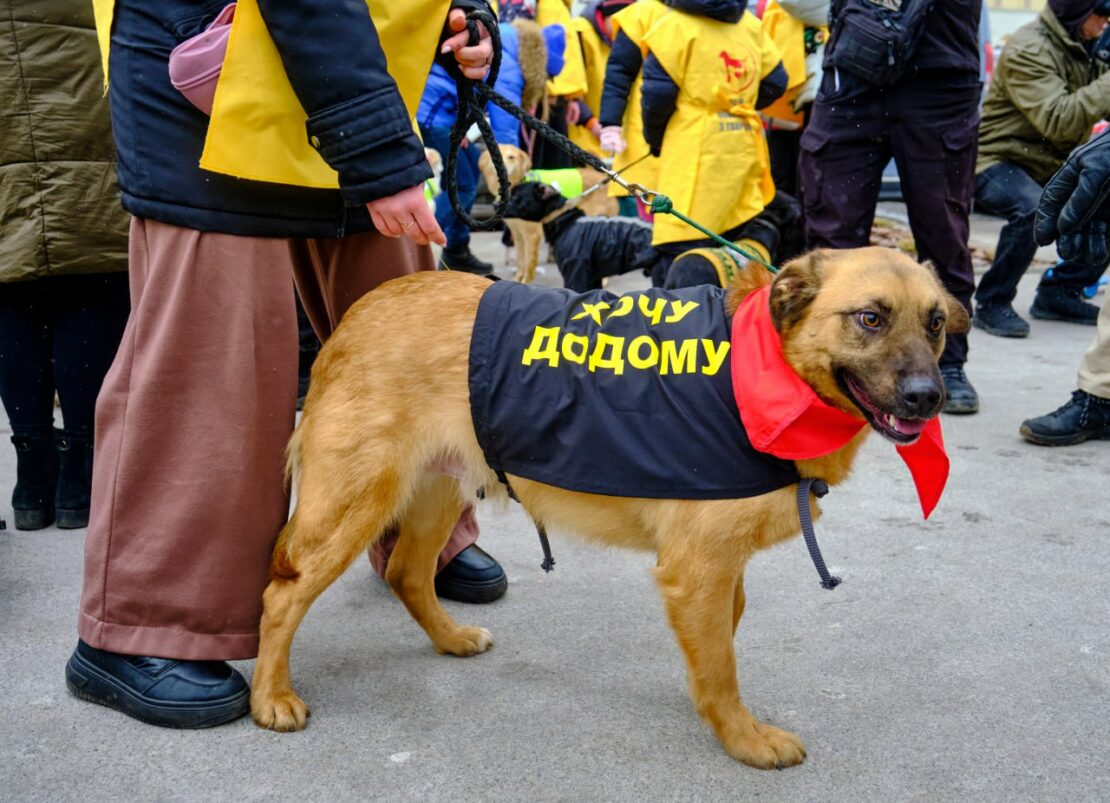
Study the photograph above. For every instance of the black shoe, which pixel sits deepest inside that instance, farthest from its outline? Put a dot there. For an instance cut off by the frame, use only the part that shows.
(473, 576)
(960, 396)
(159, 691)
(36, 479)
(1084, 418)
(75, 459)
(1000, 320)
(1062, 303)
(460, 258)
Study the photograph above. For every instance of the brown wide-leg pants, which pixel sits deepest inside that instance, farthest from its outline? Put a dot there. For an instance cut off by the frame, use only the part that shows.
(191, 425)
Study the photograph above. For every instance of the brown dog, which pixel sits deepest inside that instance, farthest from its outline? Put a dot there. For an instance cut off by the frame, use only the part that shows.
(527, 234)
(863, 328)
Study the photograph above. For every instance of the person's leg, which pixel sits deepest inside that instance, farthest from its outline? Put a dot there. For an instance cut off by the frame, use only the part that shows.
(843, 152)
(334, 274)
(457, 254)
(1060, 293)
(934, 144)
(90, 313)
(191, 427)
(1086, 416)
(27, 393)
(1007, 191)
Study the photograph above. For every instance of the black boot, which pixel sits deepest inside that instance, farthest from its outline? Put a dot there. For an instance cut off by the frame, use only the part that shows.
(960, 397)
(36, 478)
(1084, 418)
(1058, 302)
(460, 258)
(71, 502)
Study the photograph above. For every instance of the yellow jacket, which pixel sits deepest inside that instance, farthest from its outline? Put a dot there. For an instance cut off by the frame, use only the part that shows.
(714, 163)
(635, 21)
(594, 53)
(257, 129)
(788, 34)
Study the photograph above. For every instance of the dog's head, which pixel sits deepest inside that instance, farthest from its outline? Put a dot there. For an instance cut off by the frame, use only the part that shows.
(517, 163)
(534, 201)
(864, 328)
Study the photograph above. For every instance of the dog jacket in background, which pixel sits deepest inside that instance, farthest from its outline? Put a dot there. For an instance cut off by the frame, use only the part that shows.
(620, 395)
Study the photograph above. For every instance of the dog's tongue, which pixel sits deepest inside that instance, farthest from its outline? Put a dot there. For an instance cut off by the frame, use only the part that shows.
(906, 426)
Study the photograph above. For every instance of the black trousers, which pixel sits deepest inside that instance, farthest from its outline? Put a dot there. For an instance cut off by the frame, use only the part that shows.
(58, 333)
(929, 124)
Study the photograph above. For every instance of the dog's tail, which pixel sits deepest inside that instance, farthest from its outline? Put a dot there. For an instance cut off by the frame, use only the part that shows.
(281, 563)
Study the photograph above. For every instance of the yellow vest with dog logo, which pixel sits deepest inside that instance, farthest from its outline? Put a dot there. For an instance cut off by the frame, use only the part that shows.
(714, 164)
(788, 34)
(257, 130)
(635, 21)
(595, 55)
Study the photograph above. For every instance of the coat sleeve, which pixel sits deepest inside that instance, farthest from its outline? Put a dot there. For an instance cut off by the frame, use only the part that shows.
(1039, 91)
(773, 78)
(625, 60)
(356, 118)
(660, 97)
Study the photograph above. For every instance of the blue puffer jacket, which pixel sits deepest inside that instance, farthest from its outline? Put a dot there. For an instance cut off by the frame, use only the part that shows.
(439, 105)
(334, 62)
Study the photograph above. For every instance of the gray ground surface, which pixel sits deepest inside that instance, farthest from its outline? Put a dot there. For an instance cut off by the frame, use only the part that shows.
(964, 658)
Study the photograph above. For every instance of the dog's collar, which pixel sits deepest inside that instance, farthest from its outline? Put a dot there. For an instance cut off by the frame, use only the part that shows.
(784, 417)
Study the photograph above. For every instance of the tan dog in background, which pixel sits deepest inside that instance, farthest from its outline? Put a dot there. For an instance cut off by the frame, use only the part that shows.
(527, 234)
(854, 325)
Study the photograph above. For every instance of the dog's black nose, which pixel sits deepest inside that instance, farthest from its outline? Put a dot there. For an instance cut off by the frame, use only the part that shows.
(920, 394)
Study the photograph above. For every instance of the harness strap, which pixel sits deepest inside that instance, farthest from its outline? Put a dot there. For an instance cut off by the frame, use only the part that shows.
(820, 488)
(548, 560)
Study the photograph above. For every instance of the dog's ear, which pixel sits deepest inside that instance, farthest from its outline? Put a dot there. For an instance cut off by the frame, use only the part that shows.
(958, 319)
(796, 285)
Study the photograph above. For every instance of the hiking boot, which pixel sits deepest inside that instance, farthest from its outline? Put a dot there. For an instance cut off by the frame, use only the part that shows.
(460, 258)
(75, 459)
(960, 397)
(1000, 320)
(36, 472)
(1084, 418)
(1062, 303)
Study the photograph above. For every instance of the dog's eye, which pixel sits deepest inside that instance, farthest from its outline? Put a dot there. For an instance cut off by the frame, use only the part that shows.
(869, 319)
(936, 324)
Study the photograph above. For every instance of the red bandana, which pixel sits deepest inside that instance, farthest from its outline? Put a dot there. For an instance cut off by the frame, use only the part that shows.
(785, 418)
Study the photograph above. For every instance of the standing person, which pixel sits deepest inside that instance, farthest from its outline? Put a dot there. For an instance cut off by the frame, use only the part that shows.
(63, 255)
(1073, 211)
(699, 114)
(197, 408)
(1046, 93)
(927, 119)
(592, 32)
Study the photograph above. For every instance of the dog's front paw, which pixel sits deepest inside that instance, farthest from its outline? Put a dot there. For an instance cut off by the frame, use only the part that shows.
(465, 641)
(765, 746)
(282, 712)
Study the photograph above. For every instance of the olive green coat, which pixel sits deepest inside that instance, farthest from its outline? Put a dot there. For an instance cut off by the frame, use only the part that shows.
(59, 205)
(1046, 94)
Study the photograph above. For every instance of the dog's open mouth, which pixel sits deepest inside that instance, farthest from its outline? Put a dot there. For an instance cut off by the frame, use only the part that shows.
(900, 430)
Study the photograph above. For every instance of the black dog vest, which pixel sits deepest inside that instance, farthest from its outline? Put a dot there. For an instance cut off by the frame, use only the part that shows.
(620, 395)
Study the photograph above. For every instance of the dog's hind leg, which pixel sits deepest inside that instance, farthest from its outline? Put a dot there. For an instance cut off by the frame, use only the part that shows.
(319, 542)
(701, 587)
(423, 531)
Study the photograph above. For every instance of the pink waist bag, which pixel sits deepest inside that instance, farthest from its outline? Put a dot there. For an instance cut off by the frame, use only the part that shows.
(195, 64)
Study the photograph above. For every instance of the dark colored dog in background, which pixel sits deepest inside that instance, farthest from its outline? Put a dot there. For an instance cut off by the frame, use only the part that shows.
(587, 249)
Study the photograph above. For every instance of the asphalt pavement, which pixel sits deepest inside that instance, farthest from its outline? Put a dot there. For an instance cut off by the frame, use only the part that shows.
(963, 658)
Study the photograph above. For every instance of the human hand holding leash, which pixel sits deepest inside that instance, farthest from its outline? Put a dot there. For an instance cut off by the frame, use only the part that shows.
(474, 60)
(1074, 209)
(406, 214)
(612, 139)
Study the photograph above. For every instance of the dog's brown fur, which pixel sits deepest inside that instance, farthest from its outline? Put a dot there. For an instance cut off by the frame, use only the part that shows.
(527, 234)
(388, 410)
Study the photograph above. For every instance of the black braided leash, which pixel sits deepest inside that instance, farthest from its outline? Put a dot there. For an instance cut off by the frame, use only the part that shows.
(819, 488)
(473, 97)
